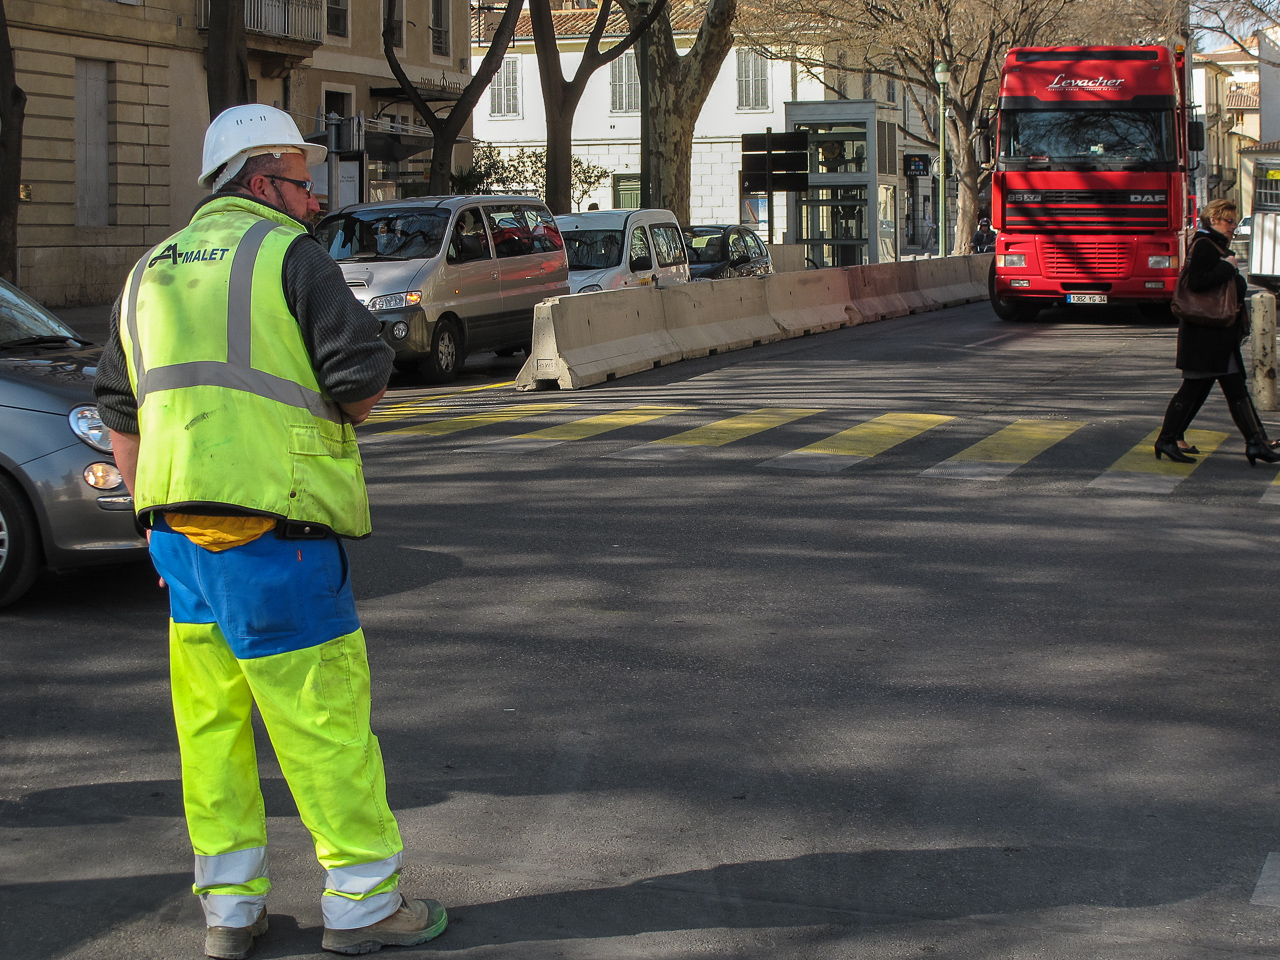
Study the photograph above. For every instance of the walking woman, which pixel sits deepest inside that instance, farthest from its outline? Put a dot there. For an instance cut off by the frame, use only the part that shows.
(1206, 354)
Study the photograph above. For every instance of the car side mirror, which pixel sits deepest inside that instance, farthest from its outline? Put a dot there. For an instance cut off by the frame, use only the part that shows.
(639, 264)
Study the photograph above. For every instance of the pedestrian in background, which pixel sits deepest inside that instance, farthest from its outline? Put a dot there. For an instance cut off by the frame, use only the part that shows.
(237, 363)
(1208, 354)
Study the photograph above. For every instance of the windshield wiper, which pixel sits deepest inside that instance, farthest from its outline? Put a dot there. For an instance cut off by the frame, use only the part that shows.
(41, 341)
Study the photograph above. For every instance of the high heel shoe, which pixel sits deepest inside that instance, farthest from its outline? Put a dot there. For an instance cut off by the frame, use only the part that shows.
(1258, 448)
(1169, 448)
(1189, 448)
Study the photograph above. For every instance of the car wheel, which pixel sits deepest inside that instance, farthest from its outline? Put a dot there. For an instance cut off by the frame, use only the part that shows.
(406, 366)
(19, 543)
(1015, 309)
(441, 364)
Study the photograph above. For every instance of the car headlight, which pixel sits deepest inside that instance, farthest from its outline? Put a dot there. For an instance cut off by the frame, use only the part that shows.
(1011, 259)
(393, 301)
(88, 426)
(1162, 263)
(590, 288)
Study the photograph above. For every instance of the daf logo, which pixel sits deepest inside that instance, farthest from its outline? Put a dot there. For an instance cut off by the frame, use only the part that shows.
(1024, 197)
(1146, 198)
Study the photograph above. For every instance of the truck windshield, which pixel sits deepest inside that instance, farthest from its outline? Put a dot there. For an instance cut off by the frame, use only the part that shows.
(382, 234)
(593, 249)
(1101, 139)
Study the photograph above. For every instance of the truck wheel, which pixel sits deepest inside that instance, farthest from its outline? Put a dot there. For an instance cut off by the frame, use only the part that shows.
(442, 363)
(19, 543)
(1016, 309)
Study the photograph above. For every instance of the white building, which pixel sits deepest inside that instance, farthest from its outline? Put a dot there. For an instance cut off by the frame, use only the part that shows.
(749, 96)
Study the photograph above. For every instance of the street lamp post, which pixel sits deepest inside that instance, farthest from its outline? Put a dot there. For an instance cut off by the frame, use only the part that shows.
(942, 73)
(642, 64)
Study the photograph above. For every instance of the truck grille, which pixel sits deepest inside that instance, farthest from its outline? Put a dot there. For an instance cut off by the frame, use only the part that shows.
(1086, 210)
(1085, 259)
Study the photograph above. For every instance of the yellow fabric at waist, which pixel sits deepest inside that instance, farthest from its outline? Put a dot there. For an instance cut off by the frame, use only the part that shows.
(219, 533)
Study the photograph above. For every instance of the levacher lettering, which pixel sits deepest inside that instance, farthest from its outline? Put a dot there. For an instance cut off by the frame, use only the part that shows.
(176, 256)
(1063, 82)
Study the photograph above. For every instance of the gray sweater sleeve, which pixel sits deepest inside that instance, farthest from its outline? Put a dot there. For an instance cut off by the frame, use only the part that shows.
(341, 337)
(351, 362)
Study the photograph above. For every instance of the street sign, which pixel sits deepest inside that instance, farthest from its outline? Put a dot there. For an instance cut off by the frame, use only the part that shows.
(777, 142)
(782, 182)
(781, 162)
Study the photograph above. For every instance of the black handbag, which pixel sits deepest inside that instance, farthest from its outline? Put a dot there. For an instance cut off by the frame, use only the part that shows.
(1213, 308)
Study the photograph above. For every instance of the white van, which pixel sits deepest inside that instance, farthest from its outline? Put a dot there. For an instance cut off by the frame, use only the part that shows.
(449, 276)
(610, 249)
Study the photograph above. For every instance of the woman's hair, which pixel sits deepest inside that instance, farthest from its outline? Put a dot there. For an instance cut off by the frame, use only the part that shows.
(1218, 210)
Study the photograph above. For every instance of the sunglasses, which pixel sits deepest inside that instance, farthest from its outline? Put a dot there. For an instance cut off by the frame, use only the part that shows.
(302, 184)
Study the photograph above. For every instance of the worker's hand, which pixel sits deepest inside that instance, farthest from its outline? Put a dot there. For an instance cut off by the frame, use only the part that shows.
(159, 580)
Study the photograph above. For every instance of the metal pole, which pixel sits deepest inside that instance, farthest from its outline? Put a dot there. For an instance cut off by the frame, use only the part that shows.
(1262, 312)
(642, 68)
(768, 174)
(942, 169)
(331, 125)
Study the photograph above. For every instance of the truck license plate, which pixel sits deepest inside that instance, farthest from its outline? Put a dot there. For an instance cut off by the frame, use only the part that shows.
(1086, 298)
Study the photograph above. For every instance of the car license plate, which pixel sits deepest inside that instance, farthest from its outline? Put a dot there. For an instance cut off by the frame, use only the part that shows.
(1086, 298)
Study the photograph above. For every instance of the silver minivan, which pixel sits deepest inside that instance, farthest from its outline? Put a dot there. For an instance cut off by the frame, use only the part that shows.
(449, 276)
(610, 249)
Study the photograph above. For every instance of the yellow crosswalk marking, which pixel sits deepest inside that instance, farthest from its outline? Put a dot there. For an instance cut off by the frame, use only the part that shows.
(856, 444)
(1271, 496)
(1005, 450)
(582, 429)
(442, 428)
(716, 434)
(1138, 471)
(403, 411)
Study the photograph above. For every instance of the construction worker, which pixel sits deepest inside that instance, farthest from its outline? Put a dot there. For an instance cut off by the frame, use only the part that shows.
(237, 365)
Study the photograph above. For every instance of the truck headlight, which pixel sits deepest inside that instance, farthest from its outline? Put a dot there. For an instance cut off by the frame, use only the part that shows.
(88, 426)
(1011, 259)
(1162, 263)
(393, 301)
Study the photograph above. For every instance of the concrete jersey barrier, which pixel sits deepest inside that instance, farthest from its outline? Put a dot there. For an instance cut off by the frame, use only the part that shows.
(589, 338)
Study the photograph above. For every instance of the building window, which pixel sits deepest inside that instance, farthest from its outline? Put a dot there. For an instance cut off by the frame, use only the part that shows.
(504, 92)
(626, 191)
(440, 27)
(842, 77)
(891, 90)
(753, 81)
(335, 101)
(396, 9)
(93, 172)
(868, 86)
(624, 84)
(336, 18)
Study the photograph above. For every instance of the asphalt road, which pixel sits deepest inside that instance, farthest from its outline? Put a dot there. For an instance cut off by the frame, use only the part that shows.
(966, 697)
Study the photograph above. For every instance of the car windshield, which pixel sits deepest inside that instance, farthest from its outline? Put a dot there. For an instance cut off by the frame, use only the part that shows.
(593, 249)
(1099, 139)
(382, 234)
(705, 246)
(21, 318)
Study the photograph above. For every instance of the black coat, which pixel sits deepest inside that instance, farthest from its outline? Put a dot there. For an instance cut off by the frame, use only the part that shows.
(1209, 349)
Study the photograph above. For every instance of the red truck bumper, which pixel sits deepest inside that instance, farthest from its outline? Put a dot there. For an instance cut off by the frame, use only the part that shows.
(1082, 268)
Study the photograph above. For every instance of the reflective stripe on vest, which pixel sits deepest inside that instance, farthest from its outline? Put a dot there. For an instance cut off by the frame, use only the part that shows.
(237, 371)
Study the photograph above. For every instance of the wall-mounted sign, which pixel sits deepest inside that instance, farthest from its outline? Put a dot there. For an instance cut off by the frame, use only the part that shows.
(916, 164)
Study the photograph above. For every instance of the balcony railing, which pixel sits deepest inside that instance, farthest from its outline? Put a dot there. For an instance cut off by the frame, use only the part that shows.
(301, 20)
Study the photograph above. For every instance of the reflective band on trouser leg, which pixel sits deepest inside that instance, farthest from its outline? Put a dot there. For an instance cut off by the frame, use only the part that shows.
(362, 894)
(315, 703)
(225, 814)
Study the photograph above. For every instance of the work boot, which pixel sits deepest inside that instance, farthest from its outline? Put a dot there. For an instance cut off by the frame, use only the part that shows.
(417, 921)
(233, 943)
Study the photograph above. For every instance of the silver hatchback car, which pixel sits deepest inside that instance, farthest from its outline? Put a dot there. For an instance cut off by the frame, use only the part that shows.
(449, 276)
(63, 503)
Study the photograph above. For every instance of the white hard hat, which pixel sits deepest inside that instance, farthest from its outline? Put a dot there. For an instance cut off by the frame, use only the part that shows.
(251, 129)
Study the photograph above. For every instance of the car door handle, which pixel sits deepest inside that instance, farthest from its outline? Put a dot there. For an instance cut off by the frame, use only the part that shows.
(494, 275)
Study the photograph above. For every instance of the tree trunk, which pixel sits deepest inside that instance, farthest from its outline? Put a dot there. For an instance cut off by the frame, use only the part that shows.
(678, 89)
(13, 108)
(227, 61)
(559, 185)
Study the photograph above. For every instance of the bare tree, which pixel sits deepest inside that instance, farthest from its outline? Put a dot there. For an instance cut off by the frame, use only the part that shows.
(678, 88)
(13, 108)
(227, 70)
(446, 129)
(561, 97)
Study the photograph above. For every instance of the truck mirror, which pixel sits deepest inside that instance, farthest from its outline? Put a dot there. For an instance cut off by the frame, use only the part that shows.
(1195, 135)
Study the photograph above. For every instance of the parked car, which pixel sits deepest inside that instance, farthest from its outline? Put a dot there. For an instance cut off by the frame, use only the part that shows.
(449, 276)
(611, 249)
(63, 503)
(721, 251)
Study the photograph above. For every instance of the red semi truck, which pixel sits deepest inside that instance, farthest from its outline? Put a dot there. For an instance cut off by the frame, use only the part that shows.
(1091, 189)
